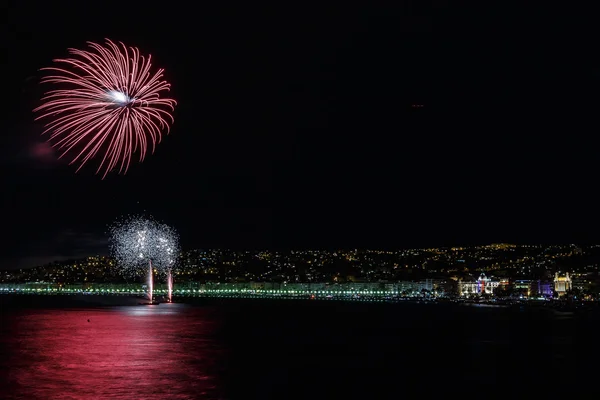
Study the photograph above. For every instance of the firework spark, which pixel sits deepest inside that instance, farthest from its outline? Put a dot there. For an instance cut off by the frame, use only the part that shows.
(137, 241)
(107, 104)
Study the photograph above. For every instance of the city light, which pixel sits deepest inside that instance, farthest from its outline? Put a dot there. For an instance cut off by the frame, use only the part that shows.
(479, 272)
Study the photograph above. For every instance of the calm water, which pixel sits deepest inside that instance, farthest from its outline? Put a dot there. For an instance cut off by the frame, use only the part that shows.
(280, 350)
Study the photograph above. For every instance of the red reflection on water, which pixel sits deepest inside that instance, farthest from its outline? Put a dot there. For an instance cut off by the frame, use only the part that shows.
(145, 352)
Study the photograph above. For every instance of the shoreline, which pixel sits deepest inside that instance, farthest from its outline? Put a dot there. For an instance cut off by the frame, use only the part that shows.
(113, 300)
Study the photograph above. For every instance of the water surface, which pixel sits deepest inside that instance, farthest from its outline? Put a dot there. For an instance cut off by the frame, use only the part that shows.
(281, 350)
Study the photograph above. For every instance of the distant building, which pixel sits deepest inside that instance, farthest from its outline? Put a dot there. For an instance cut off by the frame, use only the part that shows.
(562, 284)
(523, 286)
(483, 285)
(544, 288)
(580, 281)
(529, 287)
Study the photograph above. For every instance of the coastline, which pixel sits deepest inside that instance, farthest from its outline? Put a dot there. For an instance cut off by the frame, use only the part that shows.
(19, 300)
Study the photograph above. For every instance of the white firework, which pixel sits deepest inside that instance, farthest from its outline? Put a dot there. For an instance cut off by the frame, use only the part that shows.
(137, 241)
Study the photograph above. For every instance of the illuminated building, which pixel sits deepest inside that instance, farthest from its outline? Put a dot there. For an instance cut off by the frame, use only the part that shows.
(544, 288)
(562, 284)
(522, 286)
(580, 281)
(533, 287)
(483, 285)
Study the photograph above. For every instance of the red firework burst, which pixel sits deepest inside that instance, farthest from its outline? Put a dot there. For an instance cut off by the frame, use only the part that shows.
(108, 104)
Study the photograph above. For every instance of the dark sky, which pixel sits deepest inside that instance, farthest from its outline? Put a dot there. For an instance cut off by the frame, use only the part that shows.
(295, 128)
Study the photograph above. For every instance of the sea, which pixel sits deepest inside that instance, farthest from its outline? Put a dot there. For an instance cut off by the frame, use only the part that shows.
(55, 348)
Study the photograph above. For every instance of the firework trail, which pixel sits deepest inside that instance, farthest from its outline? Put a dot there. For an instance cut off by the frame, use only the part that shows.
(137, 242)
(107, 103)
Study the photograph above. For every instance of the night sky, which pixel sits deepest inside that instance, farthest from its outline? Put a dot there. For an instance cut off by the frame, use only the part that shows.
(295, 128)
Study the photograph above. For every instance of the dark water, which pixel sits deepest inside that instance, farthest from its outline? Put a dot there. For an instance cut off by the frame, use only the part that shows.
(282, 350)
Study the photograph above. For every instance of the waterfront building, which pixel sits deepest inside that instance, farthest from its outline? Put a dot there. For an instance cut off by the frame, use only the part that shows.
(544, 288)
(522, 286)
(562, 284)
(483, 285)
